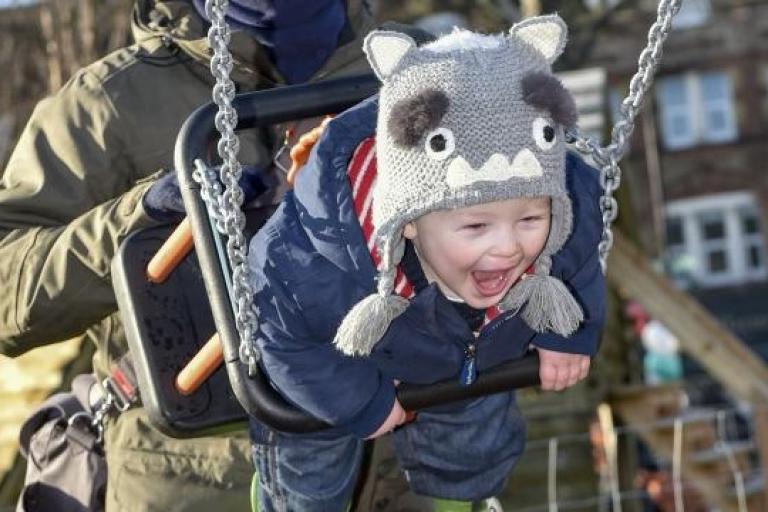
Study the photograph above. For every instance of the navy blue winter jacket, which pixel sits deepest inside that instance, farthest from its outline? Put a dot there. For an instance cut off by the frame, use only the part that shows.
(310, 265)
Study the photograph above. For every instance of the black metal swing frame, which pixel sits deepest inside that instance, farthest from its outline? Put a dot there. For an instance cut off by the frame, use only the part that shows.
(229, 395)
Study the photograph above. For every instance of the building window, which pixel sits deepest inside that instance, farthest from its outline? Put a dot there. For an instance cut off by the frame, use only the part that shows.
(714, 243)
(601, 4)
(753, 241)
(692, 13)
(715, 240)
(765, 88)
(696, 108)
(587, 86)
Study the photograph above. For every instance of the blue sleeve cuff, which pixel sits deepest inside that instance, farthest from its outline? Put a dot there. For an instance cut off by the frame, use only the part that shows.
(585, 342)
(375, 413)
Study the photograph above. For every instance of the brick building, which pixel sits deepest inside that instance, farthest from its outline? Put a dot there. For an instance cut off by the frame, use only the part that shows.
(696, 171)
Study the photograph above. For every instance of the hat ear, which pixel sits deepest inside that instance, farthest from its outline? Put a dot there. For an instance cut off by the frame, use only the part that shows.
(385, 50)
(547, 34)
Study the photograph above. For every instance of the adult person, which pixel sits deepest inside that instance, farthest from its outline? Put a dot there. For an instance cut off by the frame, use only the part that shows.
(76, 183)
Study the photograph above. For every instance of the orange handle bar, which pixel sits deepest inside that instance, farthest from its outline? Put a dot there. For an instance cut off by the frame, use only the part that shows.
(301, 150)
(178, 245)
(200, 367)
(170, 253)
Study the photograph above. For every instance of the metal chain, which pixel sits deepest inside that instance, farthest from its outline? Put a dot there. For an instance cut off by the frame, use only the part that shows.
(607, 158)
(210, 191)
(109, 402)
(227, 204)
(105, 407)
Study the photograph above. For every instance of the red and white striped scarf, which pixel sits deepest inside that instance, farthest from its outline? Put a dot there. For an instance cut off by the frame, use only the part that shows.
(362, 177)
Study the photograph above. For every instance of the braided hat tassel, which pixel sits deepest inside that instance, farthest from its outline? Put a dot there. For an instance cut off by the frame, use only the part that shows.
(549, 305)
(369, 319)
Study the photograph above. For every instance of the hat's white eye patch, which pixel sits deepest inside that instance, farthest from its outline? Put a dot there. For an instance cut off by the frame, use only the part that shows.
(544, 133)
(440, 144)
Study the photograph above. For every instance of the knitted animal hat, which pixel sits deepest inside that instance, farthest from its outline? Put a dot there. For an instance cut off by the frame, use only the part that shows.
(464, 120)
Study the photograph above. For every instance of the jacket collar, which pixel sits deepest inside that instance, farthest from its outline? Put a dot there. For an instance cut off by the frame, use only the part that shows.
(156, 22)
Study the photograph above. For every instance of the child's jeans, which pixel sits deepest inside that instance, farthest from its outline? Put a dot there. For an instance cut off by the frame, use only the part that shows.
(464, 454)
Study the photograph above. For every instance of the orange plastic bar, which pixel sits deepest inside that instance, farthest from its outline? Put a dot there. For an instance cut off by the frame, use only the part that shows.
(301, 150)
(170, 253)
(200, 367)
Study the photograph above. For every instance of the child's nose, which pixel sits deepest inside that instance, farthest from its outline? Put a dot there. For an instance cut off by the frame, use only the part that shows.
(507, 244)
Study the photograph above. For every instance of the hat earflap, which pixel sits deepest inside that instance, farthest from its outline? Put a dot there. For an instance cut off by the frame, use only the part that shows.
(368, 321)
(549, 305)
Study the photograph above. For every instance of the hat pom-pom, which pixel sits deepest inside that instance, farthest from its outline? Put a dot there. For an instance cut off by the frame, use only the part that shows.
(550, 305)
(367, 322)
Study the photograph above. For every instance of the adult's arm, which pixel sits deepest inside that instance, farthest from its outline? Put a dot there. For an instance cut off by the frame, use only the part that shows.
(68, 196)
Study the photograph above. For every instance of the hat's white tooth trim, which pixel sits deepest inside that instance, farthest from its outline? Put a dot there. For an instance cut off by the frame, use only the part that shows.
(525, 165)
(496, 168)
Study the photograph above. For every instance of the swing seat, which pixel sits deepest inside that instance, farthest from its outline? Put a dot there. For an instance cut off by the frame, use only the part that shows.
(165, 326)
(167, 323)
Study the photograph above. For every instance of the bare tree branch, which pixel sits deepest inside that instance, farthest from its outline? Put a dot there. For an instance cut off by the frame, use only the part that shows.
(87, 30)
(52, 46)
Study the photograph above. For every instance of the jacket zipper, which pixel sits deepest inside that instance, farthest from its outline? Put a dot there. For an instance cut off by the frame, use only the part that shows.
(468, 373)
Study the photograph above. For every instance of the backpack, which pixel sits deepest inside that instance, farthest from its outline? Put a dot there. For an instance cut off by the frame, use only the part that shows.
(66, 468)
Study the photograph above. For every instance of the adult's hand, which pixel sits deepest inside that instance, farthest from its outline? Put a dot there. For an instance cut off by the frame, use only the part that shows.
(163, 200)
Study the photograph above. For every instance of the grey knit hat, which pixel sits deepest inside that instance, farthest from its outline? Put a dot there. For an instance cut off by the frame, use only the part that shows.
(464, 120)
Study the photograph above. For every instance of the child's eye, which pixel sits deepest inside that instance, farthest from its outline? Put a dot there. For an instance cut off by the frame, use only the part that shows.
(474, 226)
(533, 218)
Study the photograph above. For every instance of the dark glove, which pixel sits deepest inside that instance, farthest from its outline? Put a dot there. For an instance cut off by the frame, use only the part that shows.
(163, 200)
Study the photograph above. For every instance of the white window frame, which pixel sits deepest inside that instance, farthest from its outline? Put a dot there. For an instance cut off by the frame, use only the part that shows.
(587, 86)
(731, 206)
(695, 110)
(601, 4)
(692, 13)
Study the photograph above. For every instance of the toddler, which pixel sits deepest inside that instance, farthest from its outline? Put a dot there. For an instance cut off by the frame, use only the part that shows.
(437, 231)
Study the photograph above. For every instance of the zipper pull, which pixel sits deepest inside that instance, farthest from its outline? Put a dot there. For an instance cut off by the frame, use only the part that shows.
(469, 368)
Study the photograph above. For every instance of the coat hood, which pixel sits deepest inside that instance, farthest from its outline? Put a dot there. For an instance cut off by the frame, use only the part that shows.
(324, 197)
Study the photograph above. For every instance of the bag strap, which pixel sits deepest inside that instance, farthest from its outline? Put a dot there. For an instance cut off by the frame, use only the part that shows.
(82, 386)
(60, 405)
(117, 392)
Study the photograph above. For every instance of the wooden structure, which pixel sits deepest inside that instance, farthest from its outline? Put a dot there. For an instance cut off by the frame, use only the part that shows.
(722, 354)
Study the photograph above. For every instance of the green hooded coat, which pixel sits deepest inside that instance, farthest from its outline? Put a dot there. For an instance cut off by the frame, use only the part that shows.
(72, 191)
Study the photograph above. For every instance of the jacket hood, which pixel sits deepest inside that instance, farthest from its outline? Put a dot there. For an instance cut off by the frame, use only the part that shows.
(158, 23)
(323, 195)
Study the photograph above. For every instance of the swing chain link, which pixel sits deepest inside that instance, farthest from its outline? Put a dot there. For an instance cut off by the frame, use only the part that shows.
(607, 158)
(225, 203)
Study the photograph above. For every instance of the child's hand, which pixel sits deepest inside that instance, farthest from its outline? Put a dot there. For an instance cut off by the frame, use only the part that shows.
(397, 416)
(559, 370)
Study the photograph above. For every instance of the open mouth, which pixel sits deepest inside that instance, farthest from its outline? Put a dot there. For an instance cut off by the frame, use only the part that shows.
(490, 282)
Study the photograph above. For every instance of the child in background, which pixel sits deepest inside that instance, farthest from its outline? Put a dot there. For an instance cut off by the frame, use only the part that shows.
(460, 237)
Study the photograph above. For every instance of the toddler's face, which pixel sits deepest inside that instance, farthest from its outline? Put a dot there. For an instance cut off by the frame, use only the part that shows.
(477, 253)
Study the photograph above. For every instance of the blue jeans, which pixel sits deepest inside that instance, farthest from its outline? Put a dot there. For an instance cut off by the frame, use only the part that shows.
(462, 454)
